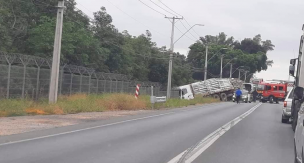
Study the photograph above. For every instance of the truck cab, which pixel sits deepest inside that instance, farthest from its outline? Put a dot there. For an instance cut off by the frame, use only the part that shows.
(185, 92)
(272, 92)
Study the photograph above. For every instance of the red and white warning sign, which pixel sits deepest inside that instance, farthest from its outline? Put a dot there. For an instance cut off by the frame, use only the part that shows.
(137, 91)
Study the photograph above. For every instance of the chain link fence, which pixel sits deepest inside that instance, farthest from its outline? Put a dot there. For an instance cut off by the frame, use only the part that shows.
(28, 77)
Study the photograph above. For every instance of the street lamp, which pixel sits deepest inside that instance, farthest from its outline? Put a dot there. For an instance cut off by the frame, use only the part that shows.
(188, 31)
(171, 56)
(245, 75)
(206, 60)
(239, 71)
(230, 66)
(245, 69)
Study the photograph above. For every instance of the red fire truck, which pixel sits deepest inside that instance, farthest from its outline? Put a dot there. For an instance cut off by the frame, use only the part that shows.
(272, 92)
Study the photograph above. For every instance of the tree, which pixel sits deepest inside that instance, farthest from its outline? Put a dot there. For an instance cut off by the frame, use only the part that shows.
(220, 39)
(250, 52)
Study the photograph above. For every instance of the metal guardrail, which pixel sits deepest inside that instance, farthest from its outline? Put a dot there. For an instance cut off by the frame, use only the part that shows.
(155, 99)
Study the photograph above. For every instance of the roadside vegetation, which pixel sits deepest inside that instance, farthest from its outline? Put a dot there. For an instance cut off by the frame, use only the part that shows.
(90, 103)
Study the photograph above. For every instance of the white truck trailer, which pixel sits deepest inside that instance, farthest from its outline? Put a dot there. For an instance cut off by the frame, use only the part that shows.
(217, 88)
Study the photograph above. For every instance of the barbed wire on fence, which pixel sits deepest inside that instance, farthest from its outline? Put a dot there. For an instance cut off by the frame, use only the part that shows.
(25, 76)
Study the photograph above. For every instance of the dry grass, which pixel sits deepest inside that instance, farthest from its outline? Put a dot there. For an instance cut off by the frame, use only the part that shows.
(121, 102)
(90, 103)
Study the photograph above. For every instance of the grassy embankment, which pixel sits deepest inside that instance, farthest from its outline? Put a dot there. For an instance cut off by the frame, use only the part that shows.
(90, 103)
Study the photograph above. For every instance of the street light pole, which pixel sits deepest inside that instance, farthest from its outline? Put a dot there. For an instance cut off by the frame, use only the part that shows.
(221, 74)
(230, 70)
(206, 63)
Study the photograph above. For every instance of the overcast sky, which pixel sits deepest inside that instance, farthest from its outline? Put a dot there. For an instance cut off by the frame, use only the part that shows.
(277, 20)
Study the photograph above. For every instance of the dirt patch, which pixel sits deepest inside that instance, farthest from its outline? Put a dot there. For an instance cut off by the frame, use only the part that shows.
(17, 125)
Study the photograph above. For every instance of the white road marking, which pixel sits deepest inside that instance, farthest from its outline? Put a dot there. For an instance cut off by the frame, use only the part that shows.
(192, 153)
(106, 125)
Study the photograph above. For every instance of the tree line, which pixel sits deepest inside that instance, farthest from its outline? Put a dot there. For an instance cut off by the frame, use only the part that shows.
(28, 27)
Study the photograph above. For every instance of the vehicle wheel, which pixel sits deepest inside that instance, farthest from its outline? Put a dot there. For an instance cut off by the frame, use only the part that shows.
(223, 97)
(249, 101)
(284, 120)
(271, 99)
(216, 96)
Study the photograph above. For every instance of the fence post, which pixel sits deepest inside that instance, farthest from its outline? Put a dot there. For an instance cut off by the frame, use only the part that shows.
(80, 83)
(104, 85)
(38, 82)
(61, 80)
(8, 80)
(23, 83)
(90, 83)
(97, 85)
(116, 86)
(152, 96)
(110, 86)
(71, 84)
(122, 91)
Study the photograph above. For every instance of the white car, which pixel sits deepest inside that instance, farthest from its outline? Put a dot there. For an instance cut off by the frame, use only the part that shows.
(286, 109)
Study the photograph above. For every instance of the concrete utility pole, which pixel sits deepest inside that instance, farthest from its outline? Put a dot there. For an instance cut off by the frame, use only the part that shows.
(245, 76)
(206, 63)
(53, 92)
(239, 74)
(171, 56)
(207, 60)
(221, 74)
(230, 70)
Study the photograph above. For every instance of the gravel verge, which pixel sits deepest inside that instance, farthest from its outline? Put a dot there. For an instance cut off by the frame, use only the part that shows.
(17, 125)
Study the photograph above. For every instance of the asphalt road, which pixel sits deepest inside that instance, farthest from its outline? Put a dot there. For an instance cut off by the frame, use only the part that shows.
(158, 137)
(261, 137)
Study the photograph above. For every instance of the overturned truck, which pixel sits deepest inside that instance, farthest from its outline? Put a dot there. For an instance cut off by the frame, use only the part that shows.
(222, 89)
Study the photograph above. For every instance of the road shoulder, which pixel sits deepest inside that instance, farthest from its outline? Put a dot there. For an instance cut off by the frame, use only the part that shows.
(67, 123)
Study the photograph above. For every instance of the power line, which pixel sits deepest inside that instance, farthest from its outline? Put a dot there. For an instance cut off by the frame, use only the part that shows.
(161, 34)
(187, 29)
(162, 8)
(170, 8)
(179, 15)
(182, 32)
(185, 35)
(192, 29)
(109, 42)
(151, 8)
(84, 7)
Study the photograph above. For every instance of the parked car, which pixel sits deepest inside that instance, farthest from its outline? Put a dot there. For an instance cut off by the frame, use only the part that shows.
(286, 109)
(246, 97)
